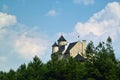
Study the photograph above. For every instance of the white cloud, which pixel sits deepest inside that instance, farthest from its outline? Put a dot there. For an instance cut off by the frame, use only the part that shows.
(7, 20)
(52, 13)
(25, 40)
(28, 46)
(104, 23)
(19, 42)
(86, 2)
(99, 26)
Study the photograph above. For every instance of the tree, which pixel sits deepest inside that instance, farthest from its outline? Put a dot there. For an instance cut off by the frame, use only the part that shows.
(11, 75)
(103, 65)
(21, 73)
(3, 76)
(35, 69)
(90, 51)
(110, 50)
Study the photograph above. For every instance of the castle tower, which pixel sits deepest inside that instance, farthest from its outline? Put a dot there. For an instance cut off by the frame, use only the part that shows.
(55, 48)
(62, 43)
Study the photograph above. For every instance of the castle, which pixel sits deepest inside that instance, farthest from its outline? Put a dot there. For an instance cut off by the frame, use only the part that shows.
(74, 49)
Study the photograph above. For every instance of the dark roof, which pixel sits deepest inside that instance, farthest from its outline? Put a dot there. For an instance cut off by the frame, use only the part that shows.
(61, 38)
(55, 44)
(78, 57)
(70, 46)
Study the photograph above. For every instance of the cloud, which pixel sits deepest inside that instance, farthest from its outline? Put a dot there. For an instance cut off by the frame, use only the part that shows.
(19, 42)
(7, 20)
(104, 23)
(51, 13)
(28, 45)
(85, 2)
(20, 39)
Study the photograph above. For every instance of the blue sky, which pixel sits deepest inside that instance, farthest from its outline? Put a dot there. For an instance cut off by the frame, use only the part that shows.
(30, 27)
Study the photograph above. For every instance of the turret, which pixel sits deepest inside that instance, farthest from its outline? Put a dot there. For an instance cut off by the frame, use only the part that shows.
(55, 48)
(62, 41)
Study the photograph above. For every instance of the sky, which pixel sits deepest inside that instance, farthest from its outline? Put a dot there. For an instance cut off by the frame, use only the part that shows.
(30, 27)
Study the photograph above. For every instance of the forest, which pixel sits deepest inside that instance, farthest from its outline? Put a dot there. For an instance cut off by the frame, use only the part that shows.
(100, 64)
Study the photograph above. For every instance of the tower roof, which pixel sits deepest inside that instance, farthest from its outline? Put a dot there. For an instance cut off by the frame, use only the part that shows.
(55, 44)
(61, 38)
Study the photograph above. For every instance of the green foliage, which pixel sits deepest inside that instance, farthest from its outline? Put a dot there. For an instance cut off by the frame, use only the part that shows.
(11, 75)
(21, 73)
(104, 65)
(90, 51)
(100, 64)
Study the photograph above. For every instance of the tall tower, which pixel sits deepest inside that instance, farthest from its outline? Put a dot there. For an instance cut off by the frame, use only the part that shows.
(55, 48)
(62, 43)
